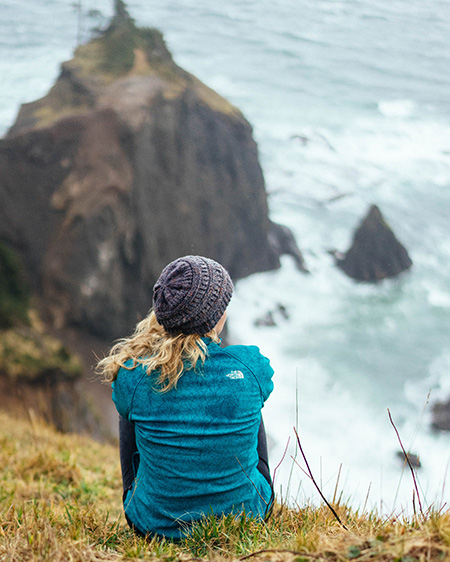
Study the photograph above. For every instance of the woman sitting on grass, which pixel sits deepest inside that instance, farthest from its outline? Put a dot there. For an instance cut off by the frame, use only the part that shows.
(192, 441)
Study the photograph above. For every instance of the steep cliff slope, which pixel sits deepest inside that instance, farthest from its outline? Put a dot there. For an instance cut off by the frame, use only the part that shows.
(38, 375)
(127, 163)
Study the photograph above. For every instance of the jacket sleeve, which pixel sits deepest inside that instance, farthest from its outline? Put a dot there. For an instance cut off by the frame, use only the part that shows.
(123, 389)
(264, 373)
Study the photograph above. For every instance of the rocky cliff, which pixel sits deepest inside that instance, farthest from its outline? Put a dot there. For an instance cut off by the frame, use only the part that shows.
(38, 375)
(127, 163)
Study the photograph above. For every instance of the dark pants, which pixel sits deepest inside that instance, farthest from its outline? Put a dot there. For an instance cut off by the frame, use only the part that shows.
(127, 443)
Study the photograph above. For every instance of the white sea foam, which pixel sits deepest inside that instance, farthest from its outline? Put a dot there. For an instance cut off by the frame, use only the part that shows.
(397, 108)
(334, 427)
(439, 299)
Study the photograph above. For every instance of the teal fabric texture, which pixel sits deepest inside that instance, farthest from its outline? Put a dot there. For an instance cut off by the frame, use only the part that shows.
(197, 442)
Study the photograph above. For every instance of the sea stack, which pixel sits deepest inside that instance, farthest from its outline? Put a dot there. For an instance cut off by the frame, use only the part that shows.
(441, 416)
(375, 253)
(126, 164)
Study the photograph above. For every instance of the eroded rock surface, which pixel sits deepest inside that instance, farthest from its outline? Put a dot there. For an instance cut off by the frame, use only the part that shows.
(126, 164)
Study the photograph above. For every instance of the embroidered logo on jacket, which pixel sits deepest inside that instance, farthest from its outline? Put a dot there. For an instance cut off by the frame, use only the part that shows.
(235, 375)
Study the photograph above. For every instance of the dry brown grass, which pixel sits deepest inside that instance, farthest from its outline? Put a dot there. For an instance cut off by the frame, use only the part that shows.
(60, 500)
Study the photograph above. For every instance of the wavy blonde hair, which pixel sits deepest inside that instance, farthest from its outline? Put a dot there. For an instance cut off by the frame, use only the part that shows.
(156, 350)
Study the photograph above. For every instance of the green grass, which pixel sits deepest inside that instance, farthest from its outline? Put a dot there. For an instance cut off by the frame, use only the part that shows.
(60, 499)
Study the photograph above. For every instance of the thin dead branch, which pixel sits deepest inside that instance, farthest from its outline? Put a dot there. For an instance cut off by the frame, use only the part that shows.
(310, 474)
(409, 464)
(279, 464)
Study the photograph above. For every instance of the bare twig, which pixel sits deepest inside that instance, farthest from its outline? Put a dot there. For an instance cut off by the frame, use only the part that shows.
(442, 508)
(279, 464)
(314, 482)
(251, 481)
(367, 497)
(409, 464)
(337, 483)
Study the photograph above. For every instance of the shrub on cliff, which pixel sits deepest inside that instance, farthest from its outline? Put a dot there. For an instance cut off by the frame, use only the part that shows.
(111, 52)
(14, 293)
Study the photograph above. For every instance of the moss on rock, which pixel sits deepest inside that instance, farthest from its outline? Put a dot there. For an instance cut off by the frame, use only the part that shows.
(113, 53)
(26, 351)
(14, 292)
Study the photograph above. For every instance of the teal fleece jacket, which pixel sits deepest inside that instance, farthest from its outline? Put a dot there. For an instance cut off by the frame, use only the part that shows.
(197, 442)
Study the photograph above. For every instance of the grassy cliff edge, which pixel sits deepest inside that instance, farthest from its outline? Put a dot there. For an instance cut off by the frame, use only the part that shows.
(60, 499)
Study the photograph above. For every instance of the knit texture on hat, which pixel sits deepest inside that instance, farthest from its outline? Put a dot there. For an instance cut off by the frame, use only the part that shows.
(191, 295)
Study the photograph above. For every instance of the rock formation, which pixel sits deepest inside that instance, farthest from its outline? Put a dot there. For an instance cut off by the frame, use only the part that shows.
(409, 458)
(127, 163)
(38, 375)
(273, 317)
(282, 241)
(441, 416)
(59, 402)
(375, 252)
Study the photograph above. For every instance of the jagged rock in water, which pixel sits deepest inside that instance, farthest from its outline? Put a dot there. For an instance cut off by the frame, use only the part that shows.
(441, 416)
(283, 241)
(266, 320)
(126, 164)
(375, 252)
(411, 458)
(272, 317)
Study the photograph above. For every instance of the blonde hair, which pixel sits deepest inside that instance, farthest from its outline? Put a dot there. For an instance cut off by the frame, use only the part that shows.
(156, 350)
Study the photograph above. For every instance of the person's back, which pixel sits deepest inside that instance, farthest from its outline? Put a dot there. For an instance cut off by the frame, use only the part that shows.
(195, 442)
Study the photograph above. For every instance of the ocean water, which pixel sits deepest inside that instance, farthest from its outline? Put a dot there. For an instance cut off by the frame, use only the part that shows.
(367, 83)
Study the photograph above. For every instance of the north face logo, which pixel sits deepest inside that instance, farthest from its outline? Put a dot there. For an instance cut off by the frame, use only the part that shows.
(235, 375)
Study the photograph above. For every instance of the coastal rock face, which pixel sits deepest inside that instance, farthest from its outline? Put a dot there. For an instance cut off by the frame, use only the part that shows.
(375, 252)
(126, 164)
(59, 402)
(441, 416)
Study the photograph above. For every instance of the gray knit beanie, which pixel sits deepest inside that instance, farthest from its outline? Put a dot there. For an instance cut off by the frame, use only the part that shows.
(191, 295)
